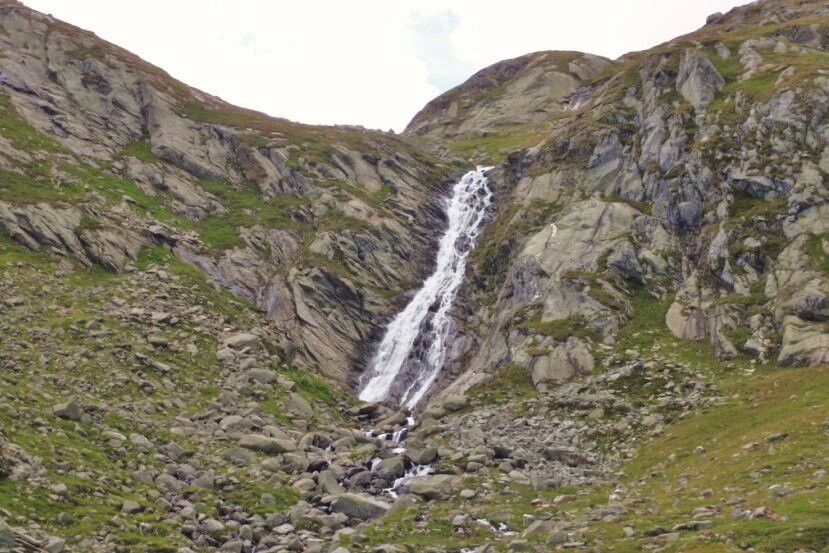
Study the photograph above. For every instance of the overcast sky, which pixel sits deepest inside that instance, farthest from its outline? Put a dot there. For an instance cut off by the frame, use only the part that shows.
(368, 62)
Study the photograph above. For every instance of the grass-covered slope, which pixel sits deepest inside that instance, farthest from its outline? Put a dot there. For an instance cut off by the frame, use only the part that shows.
(123, 405)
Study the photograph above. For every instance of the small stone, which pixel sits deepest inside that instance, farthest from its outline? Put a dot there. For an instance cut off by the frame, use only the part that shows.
(141, 442)
(130, 507)
(781, 490)
(693, 525)
(557, 537)
(69, 411)
(213, 526)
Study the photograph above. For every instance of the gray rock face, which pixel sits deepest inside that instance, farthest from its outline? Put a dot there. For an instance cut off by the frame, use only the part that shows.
(43, 225)
(759, 186)
(698, 80)
(623, 259)
(359, 506)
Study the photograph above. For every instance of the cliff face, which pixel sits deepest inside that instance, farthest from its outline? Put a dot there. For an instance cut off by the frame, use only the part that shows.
(638, 355)
(319, 227)
(692, 174)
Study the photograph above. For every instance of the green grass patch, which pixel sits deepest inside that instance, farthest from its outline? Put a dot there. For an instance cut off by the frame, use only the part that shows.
(493, 149)
(21, 134)
(245, 207)
(312, 387)
(739, 461)
(559, 329)
(141, 149)
(817, 251)
(507, 382)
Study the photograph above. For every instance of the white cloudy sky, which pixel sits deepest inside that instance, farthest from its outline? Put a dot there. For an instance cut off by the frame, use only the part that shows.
(368, 62)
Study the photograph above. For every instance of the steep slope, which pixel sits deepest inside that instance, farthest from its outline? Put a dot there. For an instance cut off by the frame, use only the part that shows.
(655, 267)
(693, 172)
(320, 227)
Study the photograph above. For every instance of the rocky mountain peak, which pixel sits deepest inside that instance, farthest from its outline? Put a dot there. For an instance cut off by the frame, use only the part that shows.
(520, 91)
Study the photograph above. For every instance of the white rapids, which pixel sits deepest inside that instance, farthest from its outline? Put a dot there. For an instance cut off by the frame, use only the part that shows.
(428, 314)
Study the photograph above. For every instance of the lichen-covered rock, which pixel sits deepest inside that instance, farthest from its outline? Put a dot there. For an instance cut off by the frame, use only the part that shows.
(698, 79)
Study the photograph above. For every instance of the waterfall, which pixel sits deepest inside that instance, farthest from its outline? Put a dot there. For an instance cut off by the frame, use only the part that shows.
(412, 352)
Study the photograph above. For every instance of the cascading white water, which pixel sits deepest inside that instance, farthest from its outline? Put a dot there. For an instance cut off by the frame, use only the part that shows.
(428, 314)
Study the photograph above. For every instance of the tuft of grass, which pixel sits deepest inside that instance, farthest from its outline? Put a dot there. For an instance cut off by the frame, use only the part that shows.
(141, 149)
(559, 329)
(245, 207)
(508, 382)
(817, 251)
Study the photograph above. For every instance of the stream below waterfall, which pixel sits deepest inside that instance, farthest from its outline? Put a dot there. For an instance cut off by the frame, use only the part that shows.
(412, 472)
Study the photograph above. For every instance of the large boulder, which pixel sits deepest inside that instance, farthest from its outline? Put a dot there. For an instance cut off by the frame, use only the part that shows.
(563, 363)
(69, 411)
(685, 318)
(438, 486)
(421, 455)
(804, 343)
(685, 322)
(391, 468)
(298, 406)
(359, 506)
(698, 80)
(243, 340)
(328, 484)
(265, 444)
